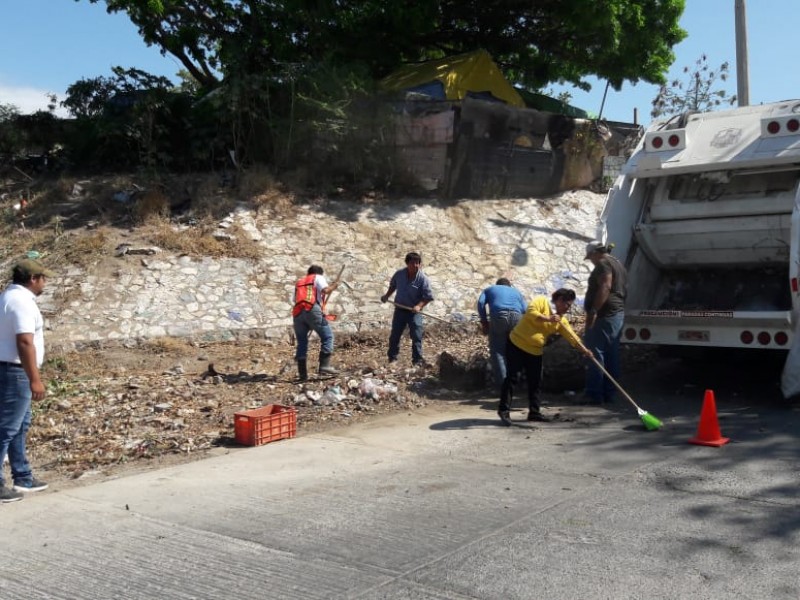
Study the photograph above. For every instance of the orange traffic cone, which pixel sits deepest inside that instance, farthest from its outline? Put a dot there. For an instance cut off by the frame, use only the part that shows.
(708, 433)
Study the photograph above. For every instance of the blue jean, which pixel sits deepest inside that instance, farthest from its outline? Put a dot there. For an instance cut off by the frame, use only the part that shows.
(312, 320)
(500, 325)
(603, 340)
(405, 318)
(15, 420)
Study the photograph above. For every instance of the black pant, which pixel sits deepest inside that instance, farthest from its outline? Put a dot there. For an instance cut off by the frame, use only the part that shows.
(516, 361)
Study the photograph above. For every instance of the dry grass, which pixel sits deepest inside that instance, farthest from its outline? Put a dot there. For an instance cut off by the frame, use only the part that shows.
(168, 345)
(16, 242)
(82, 250)
(80, 222)
(153, 203)
(258, 187)
(242, 245)
(198, 240)
(207, 196)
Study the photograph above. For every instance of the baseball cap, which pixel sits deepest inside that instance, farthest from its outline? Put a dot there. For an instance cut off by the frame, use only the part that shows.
(29, 268)
(594, 246)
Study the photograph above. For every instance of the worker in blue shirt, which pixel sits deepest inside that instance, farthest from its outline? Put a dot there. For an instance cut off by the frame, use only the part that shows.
(413, 294)
(506, 306)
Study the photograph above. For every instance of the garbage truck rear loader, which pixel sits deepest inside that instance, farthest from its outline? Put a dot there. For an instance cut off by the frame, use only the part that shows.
(706, 218)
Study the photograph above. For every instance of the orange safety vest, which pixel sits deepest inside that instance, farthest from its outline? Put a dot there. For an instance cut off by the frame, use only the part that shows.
(305, 294)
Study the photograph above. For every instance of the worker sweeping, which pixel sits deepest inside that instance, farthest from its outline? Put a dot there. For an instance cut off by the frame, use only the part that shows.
(310, 293)
(525, 348)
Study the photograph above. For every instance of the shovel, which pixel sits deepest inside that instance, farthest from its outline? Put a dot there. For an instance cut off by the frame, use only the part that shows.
(650, 422)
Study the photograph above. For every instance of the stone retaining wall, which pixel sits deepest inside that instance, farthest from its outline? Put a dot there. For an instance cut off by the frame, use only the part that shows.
(539, 244)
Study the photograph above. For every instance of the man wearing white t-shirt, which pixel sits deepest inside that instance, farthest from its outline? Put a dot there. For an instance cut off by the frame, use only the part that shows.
(21, 356)
(310, 293)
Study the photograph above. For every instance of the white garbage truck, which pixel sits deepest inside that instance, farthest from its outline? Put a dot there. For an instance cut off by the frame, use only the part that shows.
(706, 217)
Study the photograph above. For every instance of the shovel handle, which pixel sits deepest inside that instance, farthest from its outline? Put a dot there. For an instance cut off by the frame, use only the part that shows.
(328, 297)
(614, 381)
(404, 307)
(339, 276)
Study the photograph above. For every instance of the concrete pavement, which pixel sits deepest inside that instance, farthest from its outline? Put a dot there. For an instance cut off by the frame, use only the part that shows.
(440, 503)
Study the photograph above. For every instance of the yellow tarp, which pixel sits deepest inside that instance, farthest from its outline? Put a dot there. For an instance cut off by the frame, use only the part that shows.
(471, 72)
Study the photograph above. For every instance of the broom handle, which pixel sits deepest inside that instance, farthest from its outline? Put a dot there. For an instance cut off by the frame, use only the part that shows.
(614, 381)
(403, 306)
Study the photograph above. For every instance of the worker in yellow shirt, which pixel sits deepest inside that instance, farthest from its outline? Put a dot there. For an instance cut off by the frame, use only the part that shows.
(525, 348)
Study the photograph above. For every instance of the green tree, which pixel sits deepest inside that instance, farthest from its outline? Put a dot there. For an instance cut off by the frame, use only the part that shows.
(8, 112)
(124, 120)
(698, 92)
(187, 83)
(535, 42)
(90, 97)
(9, 133)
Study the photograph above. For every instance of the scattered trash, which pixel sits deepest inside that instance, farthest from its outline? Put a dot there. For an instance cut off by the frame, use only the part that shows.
(375, 389)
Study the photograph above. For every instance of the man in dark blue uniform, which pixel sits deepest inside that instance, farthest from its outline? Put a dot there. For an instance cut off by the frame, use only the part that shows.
(413, 293)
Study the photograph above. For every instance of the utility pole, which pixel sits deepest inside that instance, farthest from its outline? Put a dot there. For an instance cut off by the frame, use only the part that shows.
(742, 74)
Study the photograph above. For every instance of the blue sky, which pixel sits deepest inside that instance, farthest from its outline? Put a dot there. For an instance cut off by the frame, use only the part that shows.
(49, 44)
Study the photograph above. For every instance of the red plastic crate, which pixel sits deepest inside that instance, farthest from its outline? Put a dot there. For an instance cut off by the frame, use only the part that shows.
(266, 424)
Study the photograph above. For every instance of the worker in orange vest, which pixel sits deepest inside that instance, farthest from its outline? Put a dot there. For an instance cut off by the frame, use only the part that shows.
(309, 297)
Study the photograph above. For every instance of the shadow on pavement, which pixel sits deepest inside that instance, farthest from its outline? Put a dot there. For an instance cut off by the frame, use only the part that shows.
(466, 424)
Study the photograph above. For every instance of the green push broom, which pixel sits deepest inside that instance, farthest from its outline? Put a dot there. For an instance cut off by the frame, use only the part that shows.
(651, 423)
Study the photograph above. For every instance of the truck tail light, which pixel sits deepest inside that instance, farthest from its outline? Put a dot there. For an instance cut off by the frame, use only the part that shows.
(630, 333)
(661, 141)
(780, 126)
(794, 284)
(644, 333)
(781, 338)
(747, 337)
(764, 338)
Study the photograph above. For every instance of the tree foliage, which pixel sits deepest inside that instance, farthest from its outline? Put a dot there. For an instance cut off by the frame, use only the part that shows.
(286, 82)
(534, 41)
(698, 92)
(89, 97)
(8, 112)
(126, 120)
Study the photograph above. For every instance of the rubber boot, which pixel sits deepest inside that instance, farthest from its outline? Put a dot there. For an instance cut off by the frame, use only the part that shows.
(302, 369)
(325, 367)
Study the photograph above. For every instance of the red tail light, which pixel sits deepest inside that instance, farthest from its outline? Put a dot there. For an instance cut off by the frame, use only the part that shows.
(644, 333)
(746, 337)
(659, 141)
(794, 284)
(781, 338)
(764, 338)
(780, 126)
(630, 333)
